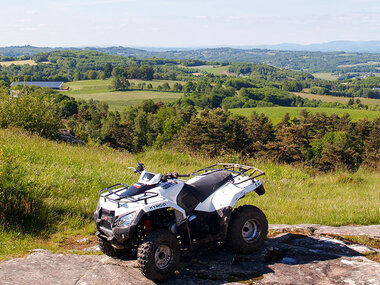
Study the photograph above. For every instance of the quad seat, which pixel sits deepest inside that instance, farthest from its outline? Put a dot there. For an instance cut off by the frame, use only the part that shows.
(195, 192)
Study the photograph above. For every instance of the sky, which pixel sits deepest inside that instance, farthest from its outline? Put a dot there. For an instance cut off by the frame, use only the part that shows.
(186, 23)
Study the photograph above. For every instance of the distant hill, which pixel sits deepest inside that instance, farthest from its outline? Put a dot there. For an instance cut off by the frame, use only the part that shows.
(346, 46)
(279, 55)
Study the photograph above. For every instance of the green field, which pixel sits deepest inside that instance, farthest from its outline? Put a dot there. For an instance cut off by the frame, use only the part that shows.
(67, 179)
(343, 100)
(277, 113)
(118, 100)
(325, 76)
(213, 69)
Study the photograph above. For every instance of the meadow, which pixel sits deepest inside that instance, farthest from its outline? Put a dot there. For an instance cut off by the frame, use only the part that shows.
(343, 100)
(277, 113)
(118, 100)
(67, 179)
(18, 62)
(213, 69)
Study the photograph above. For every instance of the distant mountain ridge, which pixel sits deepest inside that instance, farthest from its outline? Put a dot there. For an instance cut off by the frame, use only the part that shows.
(279, 55)
(143, 52)
(346, 46)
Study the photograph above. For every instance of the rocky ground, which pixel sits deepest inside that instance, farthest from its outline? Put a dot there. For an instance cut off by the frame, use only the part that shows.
(297, 254)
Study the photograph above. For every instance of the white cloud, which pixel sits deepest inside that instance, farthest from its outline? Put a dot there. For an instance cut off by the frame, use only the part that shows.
(31, 12)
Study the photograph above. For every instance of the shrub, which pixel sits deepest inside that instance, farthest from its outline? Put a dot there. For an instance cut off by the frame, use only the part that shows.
(30, 111)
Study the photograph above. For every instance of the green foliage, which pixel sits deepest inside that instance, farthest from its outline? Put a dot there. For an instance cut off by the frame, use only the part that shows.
(19, 208)
(319, 90)
(29, 109)
(119, 83)
(213, 133)
(371, 153)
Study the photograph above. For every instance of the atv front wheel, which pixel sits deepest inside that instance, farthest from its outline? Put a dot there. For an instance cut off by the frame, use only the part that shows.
(109, 250)
(158, 256)
(247, 230)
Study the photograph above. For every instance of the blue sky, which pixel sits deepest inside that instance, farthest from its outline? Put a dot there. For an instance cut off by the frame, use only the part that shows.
(182, 23)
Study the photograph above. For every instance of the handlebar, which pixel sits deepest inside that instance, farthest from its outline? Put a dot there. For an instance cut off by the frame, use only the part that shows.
(167, 176)
(183, 175)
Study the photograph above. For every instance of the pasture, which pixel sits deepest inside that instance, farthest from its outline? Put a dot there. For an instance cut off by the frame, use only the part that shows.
(325, 76)
(18, 62)
(213, 69)
(343, 100)
(277, 113)
(118, 100)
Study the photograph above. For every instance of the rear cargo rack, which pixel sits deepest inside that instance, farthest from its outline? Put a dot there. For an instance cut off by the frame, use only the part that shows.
(250, 172)
(104, 193)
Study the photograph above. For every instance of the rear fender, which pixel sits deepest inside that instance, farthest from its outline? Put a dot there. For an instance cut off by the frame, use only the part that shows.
(256, 186)
(228, 195)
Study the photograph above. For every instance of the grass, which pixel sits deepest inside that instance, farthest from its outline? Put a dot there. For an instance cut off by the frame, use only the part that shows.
(213, 69)
(67, 179)
(326, 76)
(277, 113)
(18, 62)
(118, 100)
(343, 100)
(369, 63)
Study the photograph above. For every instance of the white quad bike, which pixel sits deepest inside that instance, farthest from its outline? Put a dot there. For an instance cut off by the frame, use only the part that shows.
(162, 214)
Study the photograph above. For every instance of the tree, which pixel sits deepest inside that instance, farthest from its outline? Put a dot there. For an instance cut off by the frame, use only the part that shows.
(119, 83)
(165, 86)
(108, 70)
(177, 86)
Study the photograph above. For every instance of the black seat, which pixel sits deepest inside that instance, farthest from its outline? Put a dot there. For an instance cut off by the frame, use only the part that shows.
(209, 183)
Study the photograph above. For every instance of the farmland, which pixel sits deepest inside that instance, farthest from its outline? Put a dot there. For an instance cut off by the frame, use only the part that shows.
(277, 113)
(18, 62)
(343, 100)
(213, 69)
(118, 100)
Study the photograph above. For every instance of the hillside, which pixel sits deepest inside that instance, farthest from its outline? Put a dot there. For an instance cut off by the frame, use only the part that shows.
(333, 60)
(66, 180)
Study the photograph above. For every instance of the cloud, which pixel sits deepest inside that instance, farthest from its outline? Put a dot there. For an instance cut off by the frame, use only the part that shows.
(31, 12)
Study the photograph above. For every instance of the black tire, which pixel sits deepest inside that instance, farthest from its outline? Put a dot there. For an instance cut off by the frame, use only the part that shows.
(247, 230)
(158, 256)
(109, 250)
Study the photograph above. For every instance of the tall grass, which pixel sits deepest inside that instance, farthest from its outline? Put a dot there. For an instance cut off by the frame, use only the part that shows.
(67, 179)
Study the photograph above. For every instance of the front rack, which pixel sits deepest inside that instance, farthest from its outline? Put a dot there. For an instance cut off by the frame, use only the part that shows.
(104, 193)
(238, 169)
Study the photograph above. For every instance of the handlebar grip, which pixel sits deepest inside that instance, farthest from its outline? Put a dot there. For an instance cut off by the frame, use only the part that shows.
(183, 175)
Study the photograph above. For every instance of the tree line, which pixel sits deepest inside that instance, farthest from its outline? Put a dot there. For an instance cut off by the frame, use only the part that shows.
(320, 141)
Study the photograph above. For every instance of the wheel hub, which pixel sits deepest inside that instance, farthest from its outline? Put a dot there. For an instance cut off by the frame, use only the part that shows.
(163, 256)
(251, 231)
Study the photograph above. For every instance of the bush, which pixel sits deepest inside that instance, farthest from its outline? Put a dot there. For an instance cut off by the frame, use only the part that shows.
(30, 111)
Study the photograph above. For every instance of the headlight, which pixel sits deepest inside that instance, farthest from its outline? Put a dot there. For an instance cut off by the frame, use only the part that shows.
(126, 220)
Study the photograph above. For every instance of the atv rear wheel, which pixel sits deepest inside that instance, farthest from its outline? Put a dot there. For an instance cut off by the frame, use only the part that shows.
(158, 256)
(109, 250)
(247, 230)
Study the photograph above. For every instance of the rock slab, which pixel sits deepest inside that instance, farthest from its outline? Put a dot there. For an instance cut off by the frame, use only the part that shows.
(287, 258)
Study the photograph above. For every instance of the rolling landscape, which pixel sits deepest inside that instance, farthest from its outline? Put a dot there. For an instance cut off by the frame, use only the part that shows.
(316, 137)
(189, 142)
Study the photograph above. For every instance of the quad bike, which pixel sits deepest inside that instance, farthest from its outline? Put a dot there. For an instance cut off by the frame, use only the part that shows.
(162, 214)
